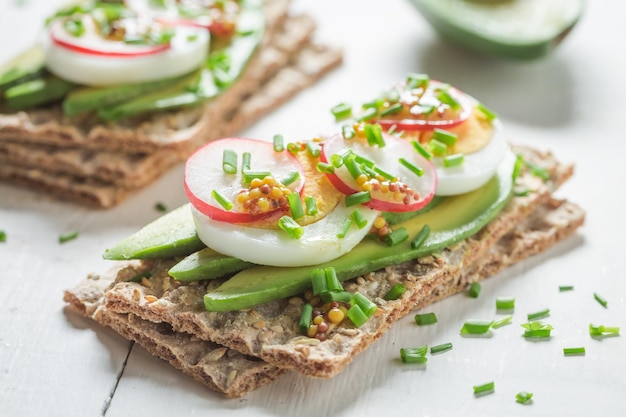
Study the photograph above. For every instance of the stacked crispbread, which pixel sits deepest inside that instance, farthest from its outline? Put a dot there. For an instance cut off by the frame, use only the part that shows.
(85, 161)
(234, 352)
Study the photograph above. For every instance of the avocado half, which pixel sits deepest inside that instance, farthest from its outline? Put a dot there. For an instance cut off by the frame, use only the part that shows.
(517, 29)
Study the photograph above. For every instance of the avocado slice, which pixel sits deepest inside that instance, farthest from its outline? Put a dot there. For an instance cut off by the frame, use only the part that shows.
(37, 92)
(173, 234)
(452, 220)
(207, 264)
(518, 29)
(27, 66)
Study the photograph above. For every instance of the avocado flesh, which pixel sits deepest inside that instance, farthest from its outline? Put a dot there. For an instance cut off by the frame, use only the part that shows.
(37, 92)
(452, 220)
(207, 264)
(516, 29)
(27, 66)
(173, 234)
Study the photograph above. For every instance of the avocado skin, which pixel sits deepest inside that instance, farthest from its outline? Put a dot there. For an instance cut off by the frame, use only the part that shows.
(485, 44)
(207, 264)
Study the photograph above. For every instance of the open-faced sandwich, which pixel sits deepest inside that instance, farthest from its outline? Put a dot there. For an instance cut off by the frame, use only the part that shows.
(116, 92)
(303, 253)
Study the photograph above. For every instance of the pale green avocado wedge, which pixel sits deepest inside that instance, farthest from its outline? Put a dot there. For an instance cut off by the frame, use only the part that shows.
(451, 220)
(207, 264)
(516, 29)
(173, 234)
(26, 66)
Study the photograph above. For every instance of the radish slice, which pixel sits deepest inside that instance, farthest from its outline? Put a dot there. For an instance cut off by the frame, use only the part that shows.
(204, 174)
(386, 158)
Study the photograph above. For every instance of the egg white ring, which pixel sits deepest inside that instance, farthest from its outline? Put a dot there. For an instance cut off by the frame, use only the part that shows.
(477, 167)
(188, 50)
(318, 244)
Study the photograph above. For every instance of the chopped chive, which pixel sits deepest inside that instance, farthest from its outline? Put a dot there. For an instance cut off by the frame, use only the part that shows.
(332, 281)
(358, 219)
(537, 330)
(422, 109)
(368, 114)
(523, 397)
(289, 226)
(393, 109)
(311, 206)
(397, 236)
(318, 281)
(425, 319)
(603, 330)
(367, 306)
(341, 111)
(538, 314)
(444, 136)
(279, 143)
(229, 161)
(293, 148)
(336, 160)
(538, 171)
(486, 388)
(384, 173)
(489, 114)
(413, 168)
(352, 166)
(357, 316)
(600, 300)
(295, 205)
(3, 236)
(245, 162)
(376, 104)
(291, 178)
(446, 98)
(505, 303)
(160, 207)
(414, 355)
(521, 192)
(66, 237)
(339, 296)
(517, 168)
(453, 160)
(248, 176)
(437, 148)
(363, 160)
(314, 148)
(474, 290)
(392, 96)
(392, 130)
(566, 288)
(476, 327)
(360, 197)
(421, 237)
(502, 322)
(345, 227)
(444, 347)
(395, 292)
(574, 351)
(325, 168)
(222, 200)
(421, 150)
(374, 135)
(348, 131)
(305, 318)
(414, 80)
(368, 171)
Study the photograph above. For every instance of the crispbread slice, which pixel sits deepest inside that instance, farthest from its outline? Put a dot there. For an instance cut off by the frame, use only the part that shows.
(270, 331)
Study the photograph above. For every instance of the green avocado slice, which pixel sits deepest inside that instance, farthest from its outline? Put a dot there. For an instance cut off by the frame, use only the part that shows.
(452, 220)
(518, 29)
(37, 92)
(26, 66)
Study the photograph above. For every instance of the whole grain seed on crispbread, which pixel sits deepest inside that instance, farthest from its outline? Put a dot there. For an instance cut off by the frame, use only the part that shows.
(255, 331)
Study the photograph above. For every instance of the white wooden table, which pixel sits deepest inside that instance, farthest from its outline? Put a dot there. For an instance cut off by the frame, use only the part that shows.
(55, 363)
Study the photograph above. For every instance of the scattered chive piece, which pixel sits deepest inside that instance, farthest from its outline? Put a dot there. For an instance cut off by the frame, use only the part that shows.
(311, 206)
(295, 205)
(537, 330)
(160, 207)
(332, 281)
(375, 104)
(486, 388)
(363, 160)
(245, 162)
(368, 114)
(521, 192)
(368, 171)
(289, 226)
(523, 397)
(444, 136)
(347, 131)
(453, 160)
(291, 178)
(414, 355)
(66, 237)
(437, 148)
(505, 303)
(223, 201)
(384, 173)
(414, 80)
(393, 109)
(538, 171)
(293, 148)
(566, 288)
(358, 219)
(413, 168)
(341, 111)
(476, 327)
(421, 237)
(444, 347)
(352, 166)
(3, 236)
(229, 161)
(517, 168)
(538, 314)
(474, 290)
(374, 135)
(392, 96)
(425, 319)
(397, 236)
(358, 198)
(318, 281)
(336, 160)
(339, 296)
(600, 299)
(248, 176)
(367, 306)
(314, 148)
(305, 318)
(489, 114)
(357, 316)
(502, 322)
(421, 150)
(345, 227)
(395, 292)
(603, 330)
(446, 98)
(279, 143)
(325, 168)
(574, 351)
